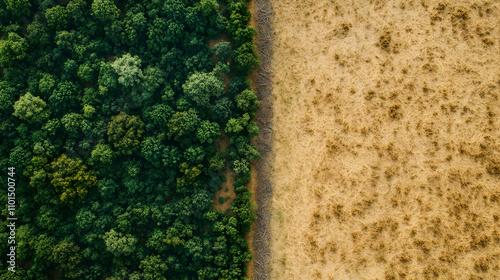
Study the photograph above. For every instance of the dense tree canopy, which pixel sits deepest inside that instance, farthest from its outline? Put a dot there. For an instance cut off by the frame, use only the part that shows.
(110, 112)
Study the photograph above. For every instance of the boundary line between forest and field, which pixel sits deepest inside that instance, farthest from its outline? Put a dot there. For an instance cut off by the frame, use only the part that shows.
(264, 190)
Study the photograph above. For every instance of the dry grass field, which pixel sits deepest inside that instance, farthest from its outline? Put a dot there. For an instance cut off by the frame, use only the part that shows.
(386, 139)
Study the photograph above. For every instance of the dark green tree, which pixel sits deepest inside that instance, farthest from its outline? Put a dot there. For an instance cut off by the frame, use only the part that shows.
(245, 59)
(57, 17)
(223, 51)
(68, 258)
(222, 110)
(18, 7)
(71, 179)
(38, 34)
(152, 149)
(64, 98)
(158, 115)
(183, 123)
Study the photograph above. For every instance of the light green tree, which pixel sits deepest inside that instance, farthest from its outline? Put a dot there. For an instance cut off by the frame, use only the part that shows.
(46, 83)
(207, 132)
(183, 123)
(153, 268)
(102, 153)
(31, 109)
(247, 101)
(240, 166)
(105, 10)
(200, 87)
(119, 244)
(237, 125)
(128, 69)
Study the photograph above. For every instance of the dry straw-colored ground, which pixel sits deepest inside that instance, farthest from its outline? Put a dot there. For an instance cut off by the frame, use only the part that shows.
(386, 139)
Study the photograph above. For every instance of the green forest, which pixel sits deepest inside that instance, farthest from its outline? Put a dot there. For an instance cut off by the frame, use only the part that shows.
(110, 112)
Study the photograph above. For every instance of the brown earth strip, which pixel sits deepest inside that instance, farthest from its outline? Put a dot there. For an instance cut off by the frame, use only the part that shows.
(260, 184)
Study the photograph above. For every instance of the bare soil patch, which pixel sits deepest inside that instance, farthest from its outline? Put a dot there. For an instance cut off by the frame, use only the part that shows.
(386, 140)
(225, 196)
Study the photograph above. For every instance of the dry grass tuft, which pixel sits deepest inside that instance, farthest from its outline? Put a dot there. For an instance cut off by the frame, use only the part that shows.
(384, 41)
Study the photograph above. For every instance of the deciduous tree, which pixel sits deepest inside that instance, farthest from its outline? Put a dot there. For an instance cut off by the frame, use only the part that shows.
(183, 123)
(31, 109)
(71, 179)
(68, 258)
(104, 10)
(102, 153)
(125, 133)
(247, 101)
(223, 51)
(208, 132)
(128, 69)
(12, 49)
(57, 17)
(237, 125)
(120, 244)
(64, 98)
(18, 7)
(222, 110)
(38, 34)
(201, 87)
(153, 268)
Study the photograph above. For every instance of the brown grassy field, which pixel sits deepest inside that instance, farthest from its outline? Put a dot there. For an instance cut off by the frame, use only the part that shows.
(386, 139)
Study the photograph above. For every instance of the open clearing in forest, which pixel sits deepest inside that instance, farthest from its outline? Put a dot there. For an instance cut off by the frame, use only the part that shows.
(386, 139)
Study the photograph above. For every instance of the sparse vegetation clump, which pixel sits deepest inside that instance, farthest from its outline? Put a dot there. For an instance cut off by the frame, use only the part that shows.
(385, 40)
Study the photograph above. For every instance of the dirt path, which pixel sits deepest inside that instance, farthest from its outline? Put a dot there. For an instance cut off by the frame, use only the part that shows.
(260, 183)
(386, 140)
